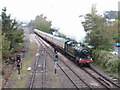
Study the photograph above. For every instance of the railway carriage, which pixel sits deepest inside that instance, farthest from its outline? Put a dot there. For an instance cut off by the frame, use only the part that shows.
(59, 42)
(79, 54)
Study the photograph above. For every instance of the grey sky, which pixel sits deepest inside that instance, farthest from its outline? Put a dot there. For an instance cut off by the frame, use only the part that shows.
(63, 13)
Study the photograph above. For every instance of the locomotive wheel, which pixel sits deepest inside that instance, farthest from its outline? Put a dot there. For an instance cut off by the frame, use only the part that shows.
(88, 64)
(80, 64)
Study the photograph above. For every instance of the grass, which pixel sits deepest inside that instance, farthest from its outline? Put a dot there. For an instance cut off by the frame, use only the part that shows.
(54, 79)
(51, 79)
(22, 82)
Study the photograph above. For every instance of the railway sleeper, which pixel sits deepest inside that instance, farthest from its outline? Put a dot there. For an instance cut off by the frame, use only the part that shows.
(81, 86)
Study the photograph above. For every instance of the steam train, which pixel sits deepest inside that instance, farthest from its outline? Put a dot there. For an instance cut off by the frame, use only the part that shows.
(79, 53)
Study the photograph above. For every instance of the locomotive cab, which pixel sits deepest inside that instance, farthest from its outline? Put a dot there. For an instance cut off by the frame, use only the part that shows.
(70, 48)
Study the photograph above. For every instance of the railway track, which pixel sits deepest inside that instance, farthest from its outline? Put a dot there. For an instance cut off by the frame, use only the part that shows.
(36, 70)
(101, 79)
(34, 73)
(44, 70)
(92, 72)
(113, 82)
(76, 80)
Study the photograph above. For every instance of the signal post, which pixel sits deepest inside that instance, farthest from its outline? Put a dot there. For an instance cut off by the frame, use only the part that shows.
(18, 57)
(55, 59)
(19, 64)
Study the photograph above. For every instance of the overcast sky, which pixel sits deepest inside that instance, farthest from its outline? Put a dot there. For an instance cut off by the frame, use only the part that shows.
(64, 14)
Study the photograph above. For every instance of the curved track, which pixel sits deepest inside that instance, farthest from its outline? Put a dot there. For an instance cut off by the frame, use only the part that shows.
(76, 79)
(100, 78)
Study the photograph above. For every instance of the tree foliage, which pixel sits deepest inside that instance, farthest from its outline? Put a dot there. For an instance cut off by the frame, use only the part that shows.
(118, 37)
(98, 33)
(41, 23)
(102, 36)
(5, 47)
(12, 36)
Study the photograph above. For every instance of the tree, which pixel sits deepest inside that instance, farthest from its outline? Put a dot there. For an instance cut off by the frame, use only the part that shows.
(42, 24)
(118, 15)
(93, 21)
(11, 35)
(119, 31)
(7, 23)
(5, 47)
(31, 23)
(98, 34)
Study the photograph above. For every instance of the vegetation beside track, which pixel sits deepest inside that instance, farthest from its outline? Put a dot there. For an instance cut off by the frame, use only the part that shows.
(29, 57)
(102, 36)
(12, 35)
(107, 61)
(11, 41)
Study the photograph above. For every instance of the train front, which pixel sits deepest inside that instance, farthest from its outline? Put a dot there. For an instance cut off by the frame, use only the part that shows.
(83, 55)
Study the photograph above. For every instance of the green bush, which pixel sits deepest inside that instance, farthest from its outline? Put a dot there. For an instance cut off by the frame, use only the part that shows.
(106, 60)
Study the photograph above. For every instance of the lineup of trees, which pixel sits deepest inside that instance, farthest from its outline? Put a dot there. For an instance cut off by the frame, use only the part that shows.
(99, 34)
(103, 37)
(42, 24)
(12, 35)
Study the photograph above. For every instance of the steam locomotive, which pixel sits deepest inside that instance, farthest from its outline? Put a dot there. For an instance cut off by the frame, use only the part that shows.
(79, 53)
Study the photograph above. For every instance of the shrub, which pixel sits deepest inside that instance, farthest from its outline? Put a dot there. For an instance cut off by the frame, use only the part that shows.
(106, 60)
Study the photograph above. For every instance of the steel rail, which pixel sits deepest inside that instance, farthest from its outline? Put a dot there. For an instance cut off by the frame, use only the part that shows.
(96, 78)
(105, 77)
(34, 73)
(70, 69)
(43, 66)
(100, 80)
